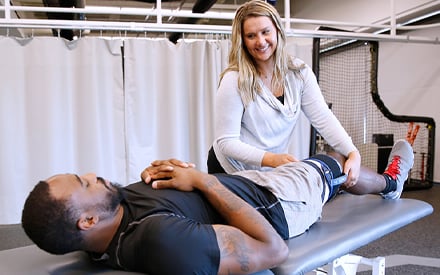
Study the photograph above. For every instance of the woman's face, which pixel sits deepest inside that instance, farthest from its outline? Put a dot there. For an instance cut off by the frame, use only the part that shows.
(260, 37)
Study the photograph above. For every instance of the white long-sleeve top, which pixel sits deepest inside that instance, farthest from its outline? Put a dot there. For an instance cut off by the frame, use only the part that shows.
(243, 135)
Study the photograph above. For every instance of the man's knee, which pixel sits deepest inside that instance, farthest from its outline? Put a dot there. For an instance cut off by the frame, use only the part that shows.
(338, 157)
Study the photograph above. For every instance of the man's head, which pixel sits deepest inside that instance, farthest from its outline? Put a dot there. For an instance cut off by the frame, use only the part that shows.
(60, 210)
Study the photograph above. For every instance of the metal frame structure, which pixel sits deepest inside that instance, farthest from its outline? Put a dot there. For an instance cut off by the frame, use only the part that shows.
(379, 32)
(425, 176)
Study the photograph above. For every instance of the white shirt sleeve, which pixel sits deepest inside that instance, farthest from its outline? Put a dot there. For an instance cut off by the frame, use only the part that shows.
(228, 119)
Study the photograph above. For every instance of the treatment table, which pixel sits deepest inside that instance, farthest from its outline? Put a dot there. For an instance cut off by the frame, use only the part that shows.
(348, 223)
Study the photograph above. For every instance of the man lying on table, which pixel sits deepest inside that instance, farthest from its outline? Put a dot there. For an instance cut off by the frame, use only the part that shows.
(179, 220)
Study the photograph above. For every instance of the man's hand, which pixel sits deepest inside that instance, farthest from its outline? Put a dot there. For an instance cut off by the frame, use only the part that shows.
(157, 165)
(182, 179)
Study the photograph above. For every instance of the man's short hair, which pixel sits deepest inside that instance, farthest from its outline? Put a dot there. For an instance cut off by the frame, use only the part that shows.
(50, 223)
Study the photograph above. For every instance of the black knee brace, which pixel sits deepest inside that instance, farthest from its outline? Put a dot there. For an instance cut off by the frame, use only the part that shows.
(332, 172)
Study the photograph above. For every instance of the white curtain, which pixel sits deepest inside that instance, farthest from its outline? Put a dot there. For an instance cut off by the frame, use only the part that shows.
(170, 93)
(109, 106)
(61, 111)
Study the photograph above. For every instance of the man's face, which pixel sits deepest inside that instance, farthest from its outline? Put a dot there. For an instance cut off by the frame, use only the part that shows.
(86, 193)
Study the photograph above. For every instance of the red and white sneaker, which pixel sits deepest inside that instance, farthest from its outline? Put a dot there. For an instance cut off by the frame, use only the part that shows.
(400, 161)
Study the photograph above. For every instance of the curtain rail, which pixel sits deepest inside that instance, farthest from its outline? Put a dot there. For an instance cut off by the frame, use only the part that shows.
(160, 26)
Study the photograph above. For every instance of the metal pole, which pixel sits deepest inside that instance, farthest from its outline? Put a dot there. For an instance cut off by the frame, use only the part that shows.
(7, 9)
(159, 11)
(393, 18)
(287, 14)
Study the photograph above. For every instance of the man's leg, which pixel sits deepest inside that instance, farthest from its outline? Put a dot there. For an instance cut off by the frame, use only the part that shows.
(390, 183)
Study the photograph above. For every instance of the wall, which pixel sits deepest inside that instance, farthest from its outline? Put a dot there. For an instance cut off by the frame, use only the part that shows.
(361, 12)
(409, 81)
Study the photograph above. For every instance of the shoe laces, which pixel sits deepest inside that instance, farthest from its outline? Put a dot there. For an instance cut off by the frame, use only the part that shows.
(393, 168)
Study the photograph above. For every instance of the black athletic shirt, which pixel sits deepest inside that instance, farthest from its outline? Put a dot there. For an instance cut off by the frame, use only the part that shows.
(169, 232)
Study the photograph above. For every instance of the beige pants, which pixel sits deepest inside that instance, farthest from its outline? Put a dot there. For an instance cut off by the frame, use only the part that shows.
(299, 187)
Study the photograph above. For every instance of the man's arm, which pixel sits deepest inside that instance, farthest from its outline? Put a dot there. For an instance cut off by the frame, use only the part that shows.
(248, 243)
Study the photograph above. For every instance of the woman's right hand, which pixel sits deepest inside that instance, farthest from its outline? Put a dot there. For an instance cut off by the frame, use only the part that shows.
(275, 160)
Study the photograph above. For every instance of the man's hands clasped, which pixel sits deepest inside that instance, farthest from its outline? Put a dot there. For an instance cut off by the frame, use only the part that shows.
(171, 173)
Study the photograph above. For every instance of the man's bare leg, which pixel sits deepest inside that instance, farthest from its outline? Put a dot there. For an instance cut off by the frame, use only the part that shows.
(369, 182)
(390, 183)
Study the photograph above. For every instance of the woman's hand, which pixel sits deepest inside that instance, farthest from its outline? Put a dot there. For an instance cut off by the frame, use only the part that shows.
(275, 160)
(352, 168)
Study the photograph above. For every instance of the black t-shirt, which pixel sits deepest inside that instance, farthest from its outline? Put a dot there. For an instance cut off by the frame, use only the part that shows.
(169, 232)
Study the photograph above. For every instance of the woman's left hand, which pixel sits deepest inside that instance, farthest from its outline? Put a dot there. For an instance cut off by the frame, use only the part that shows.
(274, 160)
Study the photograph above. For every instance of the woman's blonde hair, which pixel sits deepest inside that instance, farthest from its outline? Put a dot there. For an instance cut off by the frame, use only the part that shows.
(240, 59)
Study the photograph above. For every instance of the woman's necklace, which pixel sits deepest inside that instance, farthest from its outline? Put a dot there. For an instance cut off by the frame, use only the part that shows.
(267, 80)
(275, 88)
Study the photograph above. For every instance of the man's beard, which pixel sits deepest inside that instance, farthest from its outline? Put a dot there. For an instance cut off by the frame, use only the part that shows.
(113, 199)
(117, 196)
